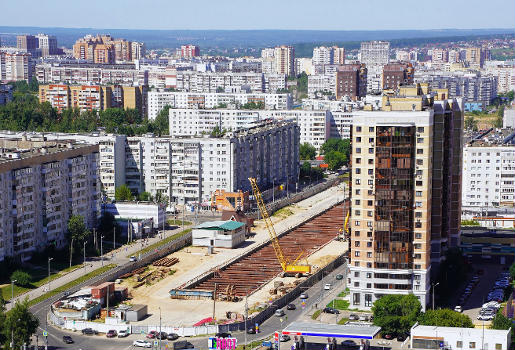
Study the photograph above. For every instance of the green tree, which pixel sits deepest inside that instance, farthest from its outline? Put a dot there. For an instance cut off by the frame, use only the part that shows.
(145, 197)
(77, 232)
(307, 151)
(445, 318)
(2, 319)
(512, 271)
(500, 116)
(22, 278)
(501, 322)
(34, 85)
(395, 313)
(302, 83)
(335, 160)
(471, 123)
(21, 324)
(338, 145)
(161, 125)
(123, 193)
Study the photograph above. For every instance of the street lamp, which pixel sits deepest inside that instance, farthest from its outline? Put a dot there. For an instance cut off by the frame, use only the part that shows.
(160, 333)
(101, 251)
(434, 285)
(84, 251)
(49, 259)
(12, 290)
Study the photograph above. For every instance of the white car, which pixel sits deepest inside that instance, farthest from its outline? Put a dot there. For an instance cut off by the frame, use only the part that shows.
(327, 286)
(142, 344)
(133, 258)
(458, 308)
(123, 333)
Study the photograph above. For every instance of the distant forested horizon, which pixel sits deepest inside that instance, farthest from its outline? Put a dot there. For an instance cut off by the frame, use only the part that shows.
(250, 41)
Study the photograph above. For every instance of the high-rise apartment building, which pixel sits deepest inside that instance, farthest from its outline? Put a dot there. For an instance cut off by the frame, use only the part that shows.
(351, 80)
(47, 44)
(397, 74)
(137, 50)
(475, 56)
(405, 194)
(328, 55)
(104, 49)
(374, 53)
(43, 183)
(15, 66)
(284, 57)
(439, 56)
(189, 51)
(27, 43)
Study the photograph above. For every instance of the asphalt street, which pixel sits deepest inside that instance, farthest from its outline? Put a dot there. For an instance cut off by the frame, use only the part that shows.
(316, 293)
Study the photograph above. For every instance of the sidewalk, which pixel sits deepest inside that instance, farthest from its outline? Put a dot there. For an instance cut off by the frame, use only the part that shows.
(118, 257)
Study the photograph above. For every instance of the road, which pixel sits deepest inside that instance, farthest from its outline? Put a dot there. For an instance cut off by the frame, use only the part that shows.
(316, 295)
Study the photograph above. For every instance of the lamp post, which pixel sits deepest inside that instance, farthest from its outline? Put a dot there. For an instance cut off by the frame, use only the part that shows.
(160, 333)
(12, 290)
(101, 250)
(49, 259)
(84, 251)
(434, 285)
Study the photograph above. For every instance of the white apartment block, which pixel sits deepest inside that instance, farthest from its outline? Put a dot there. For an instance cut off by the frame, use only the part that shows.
(315, 126)
(488, 176)
(201, 165)
(505, 76)
(323, 55)
(322, 83)
(157, 100)
(200, 82)
(15, 66)
(42, 184)
(374, 53)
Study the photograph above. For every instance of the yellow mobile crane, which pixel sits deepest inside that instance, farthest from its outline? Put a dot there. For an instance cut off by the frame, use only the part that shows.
(289, 267)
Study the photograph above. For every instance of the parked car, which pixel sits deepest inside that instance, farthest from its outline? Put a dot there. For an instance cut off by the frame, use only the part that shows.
(290, 307)
(330, 310)
(133, 258)
(284, 337)
(151, 334)
(279, 312)
(89, 331)
(251, 330)
(348, 343)
(353, 317)
(458, 308)
(363, 317)
(172, 336)
(327, 286)
(223, 335)
(388, 336)
(304, 295)
(339, 277)
(111, 333)
(67, 339)
(123, 333)
(161, 335)
(142, 344)
(183, 344)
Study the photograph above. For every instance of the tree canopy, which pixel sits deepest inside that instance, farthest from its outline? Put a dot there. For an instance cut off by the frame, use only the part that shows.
(445, 318)
(123, 193)
(307, 151)
(20, 323)
(336, 152)
(501, 322)
(22, 278)
(396, 313)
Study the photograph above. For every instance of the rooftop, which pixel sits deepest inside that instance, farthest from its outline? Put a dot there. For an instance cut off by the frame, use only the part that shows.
(224, 225)
(350, 330)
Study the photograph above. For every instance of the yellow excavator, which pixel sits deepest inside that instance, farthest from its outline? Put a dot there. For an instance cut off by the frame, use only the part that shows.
(288, 266)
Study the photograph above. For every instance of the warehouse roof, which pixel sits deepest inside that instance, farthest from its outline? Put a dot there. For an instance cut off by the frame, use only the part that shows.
(228, 225)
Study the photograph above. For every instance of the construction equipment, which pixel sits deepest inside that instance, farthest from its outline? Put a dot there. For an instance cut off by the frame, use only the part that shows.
(288, 266)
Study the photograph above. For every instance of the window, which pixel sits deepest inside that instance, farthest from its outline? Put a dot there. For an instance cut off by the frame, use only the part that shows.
(356, 244)
(369, 285)
(370, 203)
(356, 253)
(420, 161)
(356, 284)
(358, 139)
(420, 140)
(371, 139)
(370, 192)
(370, 171)
(420, 151)
(459, 344)
(369, 254)
(358, 160)
(358, 171)
(369, 244)
(356, 223)
(356, 233)
(418, 204)
(369, 213)
(369, 274)
(369, 234)
(420, 129)
(419, 172)
(418, 214)
(418, 224)
(357, 212)
(370, 161)
(418, 183)
(358, 150)
(418, 193)
(356, 274)
(369, 265)
(357, 201)
(371, 129)
(358, 182)
(358, 192)
(498, 346)
(356, 263)
(472, 345)
(355, 299)
(417, 266)
(371, 151)
(368, 299)
(417, 246)
(358, 128)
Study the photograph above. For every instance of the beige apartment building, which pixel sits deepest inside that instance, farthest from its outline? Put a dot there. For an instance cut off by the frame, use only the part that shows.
(405, 194)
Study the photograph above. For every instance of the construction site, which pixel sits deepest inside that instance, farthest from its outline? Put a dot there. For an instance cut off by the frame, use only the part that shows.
(194, 287)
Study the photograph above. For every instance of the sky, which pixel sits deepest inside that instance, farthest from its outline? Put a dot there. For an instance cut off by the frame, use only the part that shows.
(260, 14)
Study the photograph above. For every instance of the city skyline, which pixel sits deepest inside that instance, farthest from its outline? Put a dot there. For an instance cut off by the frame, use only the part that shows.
(163, 15)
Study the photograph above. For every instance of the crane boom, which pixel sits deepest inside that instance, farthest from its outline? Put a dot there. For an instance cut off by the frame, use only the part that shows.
(285, 264)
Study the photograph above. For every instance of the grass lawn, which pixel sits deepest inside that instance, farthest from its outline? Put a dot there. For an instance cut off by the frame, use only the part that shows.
(283, 212)
(39, 278)
(343, 294)
(316, 314)
(343, 320)
(160, 243)
(71, 284)
(173, 222)
(339, 304)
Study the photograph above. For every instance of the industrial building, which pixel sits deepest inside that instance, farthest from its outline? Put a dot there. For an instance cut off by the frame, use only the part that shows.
(218, 234)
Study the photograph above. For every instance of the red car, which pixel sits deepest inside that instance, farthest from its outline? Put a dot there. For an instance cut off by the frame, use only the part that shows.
(111, 333)
(151, 334)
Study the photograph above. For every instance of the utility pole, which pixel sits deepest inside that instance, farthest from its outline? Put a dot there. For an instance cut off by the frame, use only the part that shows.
(434, 285)
(246, 316)
(214, 303)
(12, 290)
(95, 238)
(114, 238)
(160, 334)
